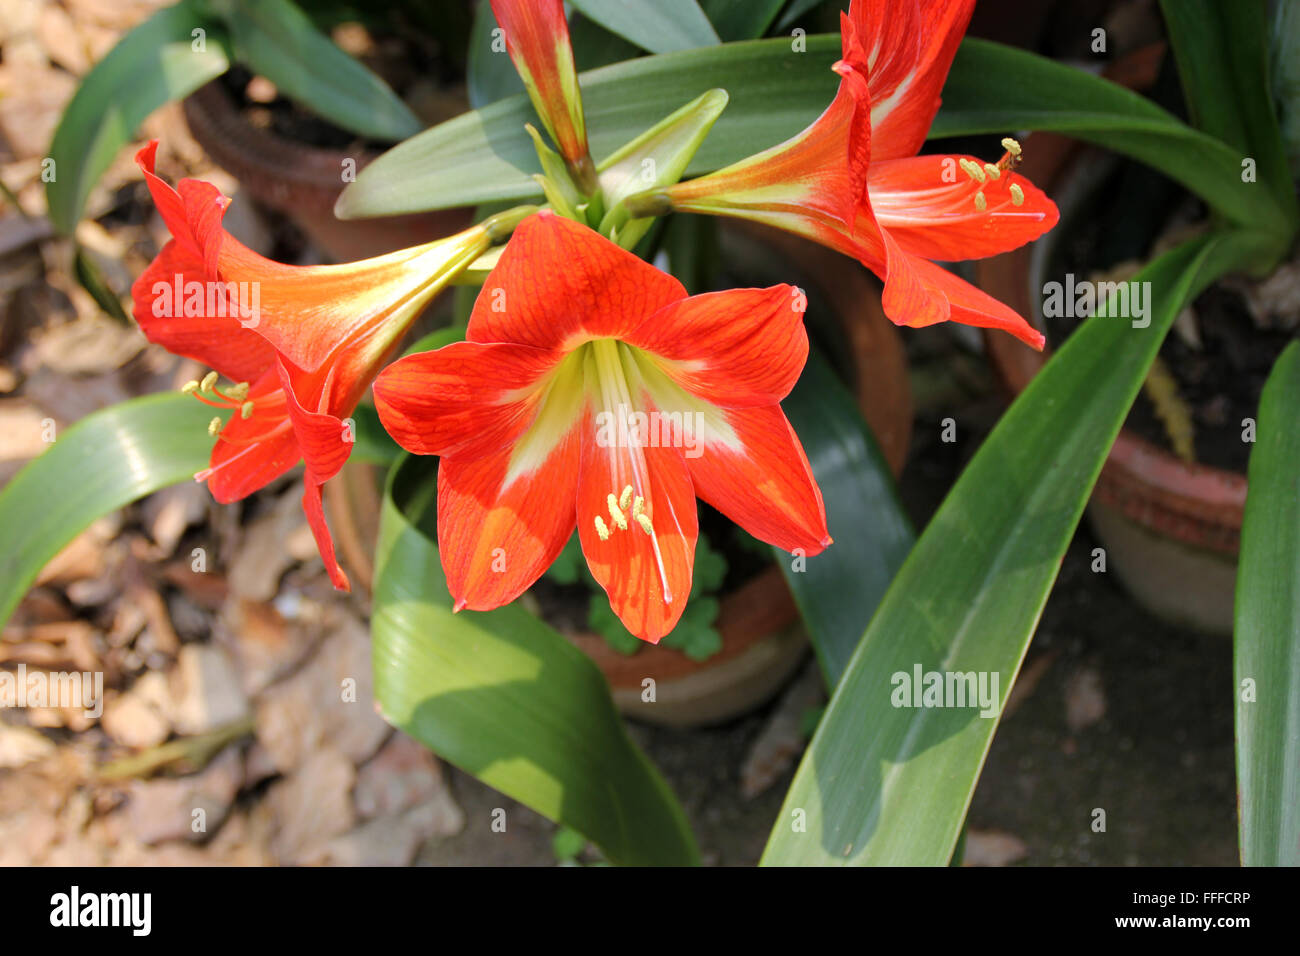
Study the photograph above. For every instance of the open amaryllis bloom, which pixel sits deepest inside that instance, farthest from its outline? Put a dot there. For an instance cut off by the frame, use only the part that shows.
(537, 39)
(851, 180)
(300, 345)
(591, 390)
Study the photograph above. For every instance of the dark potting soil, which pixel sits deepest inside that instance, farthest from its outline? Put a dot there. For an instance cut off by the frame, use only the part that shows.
(1220, 382)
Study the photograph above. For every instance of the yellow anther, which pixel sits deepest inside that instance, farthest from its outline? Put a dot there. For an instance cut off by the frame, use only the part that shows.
(214, 426)
(601, 528)
(646, 526)
(638, 507)
(625, 498)
(189, 388)
(1011, 146)
(208, 382)
(1017, 195)
(993, 171)
(238, 393)
(246, 410)
(615, 512)
(972, 170)
(980, 202)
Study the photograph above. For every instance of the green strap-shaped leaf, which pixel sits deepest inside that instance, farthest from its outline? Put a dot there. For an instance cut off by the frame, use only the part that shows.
(506, 698)
(277, 40)
(103, 462)
(485, 156)
(882, 784)
(660, 26)
(1267, 630)
(165, 58)
(112, 458)
(993, 87)
(1222, 52)
(838, 590)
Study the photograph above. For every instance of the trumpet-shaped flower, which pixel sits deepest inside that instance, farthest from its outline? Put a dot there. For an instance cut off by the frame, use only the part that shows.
(592, 391)
(851, 181)
(300, 345)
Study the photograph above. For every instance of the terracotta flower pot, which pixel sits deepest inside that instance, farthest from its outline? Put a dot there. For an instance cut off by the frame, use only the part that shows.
(1170, 529)
(304, 181)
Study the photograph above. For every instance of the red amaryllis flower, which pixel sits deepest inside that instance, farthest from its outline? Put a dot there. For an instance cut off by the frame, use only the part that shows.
(537, 39)
(592, 391)
(299, 344)
(851, 181)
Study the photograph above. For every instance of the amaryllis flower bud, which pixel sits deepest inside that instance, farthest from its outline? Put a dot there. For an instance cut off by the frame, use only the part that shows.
(537, 39)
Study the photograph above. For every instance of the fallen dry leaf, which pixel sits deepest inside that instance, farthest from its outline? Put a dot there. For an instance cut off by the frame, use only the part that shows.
(311, 806)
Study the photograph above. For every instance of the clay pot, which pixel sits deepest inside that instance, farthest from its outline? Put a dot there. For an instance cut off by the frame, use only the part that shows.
(303, 181)
(1170, 529)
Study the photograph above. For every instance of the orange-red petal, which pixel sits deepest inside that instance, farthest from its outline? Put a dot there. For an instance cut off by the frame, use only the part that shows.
(466, 399)
(496, 539)
(559, 283)
(736, 348)
(192, 212)
(252, 452)
(646, 576)
(969, 306)
(910, 45)
(315, 512)
(323, 439)
(766, 485)
(203, 326)
(927, 203)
